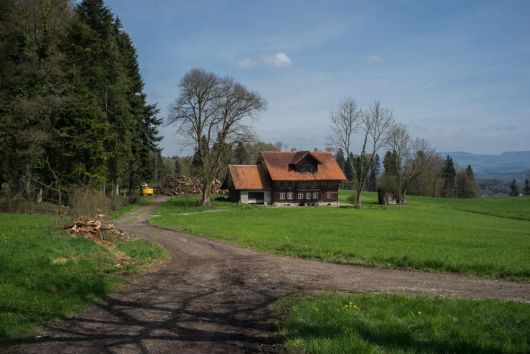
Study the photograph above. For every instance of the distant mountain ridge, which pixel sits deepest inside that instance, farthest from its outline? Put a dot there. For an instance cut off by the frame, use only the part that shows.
(507, 165)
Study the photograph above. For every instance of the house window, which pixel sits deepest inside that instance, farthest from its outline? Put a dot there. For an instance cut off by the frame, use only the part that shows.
(306, 168)
(282, 195)
(308, 195)
(328, 195)
(290, 195)
(315, 195)
(300, 195)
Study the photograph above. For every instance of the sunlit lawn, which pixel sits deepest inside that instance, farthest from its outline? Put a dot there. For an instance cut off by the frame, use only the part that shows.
(47, 274)
(363, 323)
(487, 237)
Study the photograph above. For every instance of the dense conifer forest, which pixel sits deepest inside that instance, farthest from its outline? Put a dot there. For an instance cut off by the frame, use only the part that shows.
(73, 111)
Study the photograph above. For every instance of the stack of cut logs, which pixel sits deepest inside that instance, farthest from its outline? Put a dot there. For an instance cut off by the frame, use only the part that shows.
(96, 230)
(181, 185)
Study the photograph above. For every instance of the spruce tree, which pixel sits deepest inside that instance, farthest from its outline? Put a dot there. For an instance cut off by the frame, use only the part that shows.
(72, 105)
(389, 163)
(339, 157)
(448, 173)
(240, 154)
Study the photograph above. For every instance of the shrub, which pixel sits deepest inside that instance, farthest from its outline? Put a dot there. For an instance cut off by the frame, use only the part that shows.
(89, 202)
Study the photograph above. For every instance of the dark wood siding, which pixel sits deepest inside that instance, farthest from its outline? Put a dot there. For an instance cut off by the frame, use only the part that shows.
(305, 192)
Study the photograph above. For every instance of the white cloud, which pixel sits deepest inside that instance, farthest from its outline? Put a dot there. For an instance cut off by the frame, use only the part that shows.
(375, 59)
(247, 63)
(278, 60)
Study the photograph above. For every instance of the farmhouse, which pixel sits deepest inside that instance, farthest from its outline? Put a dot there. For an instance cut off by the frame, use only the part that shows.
(287, 179)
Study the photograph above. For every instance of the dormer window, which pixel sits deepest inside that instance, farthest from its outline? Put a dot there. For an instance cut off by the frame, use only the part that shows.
(306, 168)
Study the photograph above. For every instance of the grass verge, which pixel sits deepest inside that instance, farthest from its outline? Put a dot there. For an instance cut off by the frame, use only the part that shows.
(355, 323)
(484, 237)
(46, 274)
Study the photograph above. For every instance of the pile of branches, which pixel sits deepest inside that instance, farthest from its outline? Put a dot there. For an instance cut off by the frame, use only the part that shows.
(96, 230)
(182, 185)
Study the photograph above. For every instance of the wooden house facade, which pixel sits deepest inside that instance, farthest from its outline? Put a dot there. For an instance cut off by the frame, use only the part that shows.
(287, 179)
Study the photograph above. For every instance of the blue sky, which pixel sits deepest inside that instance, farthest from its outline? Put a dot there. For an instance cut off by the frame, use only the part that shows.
(455, 72)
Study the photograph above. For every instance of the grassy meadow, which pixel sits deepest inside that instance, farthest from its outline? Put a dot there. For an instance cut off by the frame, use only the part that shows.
(485, 237)
(363, 323)
(47, 274)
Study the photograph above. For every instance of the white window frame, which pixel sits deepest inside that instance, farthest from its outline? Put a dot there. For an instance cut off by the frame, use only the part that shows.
(289, 195)
(300, 195)
(282, 195)
(308, 195)
(328, 195)
(315, 195)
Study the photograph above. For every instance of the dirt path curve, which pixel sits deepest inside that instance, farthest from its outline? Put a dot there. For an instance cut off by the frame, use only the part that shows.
(213, 298)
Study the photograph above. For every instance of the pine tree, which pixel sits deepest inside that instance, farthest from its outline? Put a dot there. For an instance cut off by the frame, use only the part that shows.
(448, 173)
(347, 167)
(240, 154)
(514, 189)
(389, 163)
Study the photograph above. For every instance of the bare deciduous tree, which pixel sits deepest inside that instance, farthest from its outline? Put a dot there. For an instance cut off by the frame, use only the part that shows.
(372, 127)
(412, 157)
(211, 113)
(399, 141)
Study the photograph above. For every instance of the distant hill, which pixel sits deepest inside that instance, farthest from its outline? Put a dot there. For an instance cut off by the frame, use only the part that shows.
(508, 165)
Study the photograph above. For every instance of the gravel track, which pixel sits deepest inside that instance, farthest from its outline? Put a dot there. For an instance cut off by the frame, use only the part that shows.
(214, 298)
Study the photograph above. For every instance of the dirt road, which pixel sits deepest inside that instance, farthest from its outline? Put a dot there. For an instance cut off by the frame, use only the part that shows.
(213, 298)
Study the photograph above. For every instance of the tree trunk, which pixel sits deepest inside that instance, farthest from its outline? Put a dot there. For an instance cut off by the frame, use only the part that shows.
(206, 190)
(27, 184)
(434, 187)
(358, 198)
(39, 196)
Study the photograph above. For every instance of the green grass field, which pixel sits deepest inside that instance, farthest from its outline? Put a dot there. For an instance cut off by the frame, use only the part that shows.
(486, 237)
(356, 323)
(46, 274)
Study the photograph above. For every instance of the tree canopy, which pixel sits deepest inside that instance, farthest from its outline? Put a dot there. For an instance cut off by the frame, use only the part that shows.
(72, 106)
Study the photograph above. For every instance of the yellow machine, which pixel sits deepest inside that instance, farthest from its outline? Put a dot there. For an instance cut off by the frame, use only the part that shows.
(146, 190)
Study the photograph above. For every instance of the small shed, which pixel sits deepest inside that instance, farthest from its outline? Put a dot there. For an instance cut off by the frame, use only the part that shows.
(249, 184)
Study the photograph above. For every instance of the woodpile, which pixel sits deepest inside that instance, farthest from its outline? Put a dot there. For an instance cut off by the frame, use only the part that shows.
(96, 230)
(182, 185)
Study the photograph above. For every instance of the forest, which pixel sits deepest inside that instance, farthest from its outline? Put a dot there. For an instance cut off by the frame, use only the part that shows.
(73, 110)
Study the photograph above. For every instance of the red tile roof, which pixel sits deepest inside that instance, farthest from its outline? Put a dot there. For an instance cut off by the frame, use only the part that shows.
(277, 164)
(249, 177)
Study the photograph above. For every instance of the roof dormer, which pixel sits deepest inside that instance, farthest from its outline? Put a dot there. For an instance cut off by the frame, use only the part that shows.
(304, 161)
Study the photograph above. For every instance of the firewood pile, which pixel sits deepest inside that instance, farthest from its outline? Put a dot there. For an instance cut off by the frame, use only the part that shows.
(96, 230)
(181, 185)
